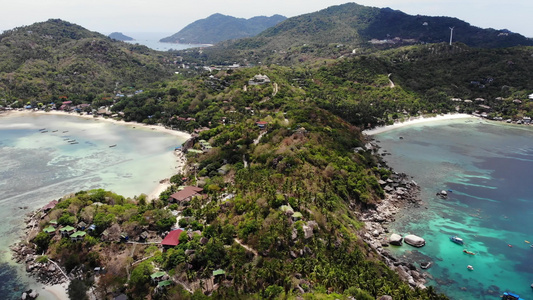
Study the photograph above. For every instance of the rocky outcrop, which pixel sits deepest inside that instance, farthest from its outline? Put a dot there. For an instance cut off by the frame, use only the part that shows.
(414, 240)
(400, 192)
(395, 239)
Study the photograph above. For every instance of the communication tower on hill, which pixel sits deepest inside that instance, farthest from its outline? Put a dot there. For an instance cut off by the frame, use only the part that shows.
(451, 35)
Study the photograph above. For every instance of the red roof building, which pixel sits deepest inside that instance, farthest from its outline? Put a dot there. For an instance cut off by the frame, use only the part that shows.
(172, 239)
(186, 194)
(50, 205)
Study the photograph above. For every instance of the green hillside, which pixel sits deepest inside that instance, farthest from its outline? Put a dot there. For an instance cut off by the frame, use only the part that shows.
(307, 155)
(343, 29)
(56, 58)
(219, 27)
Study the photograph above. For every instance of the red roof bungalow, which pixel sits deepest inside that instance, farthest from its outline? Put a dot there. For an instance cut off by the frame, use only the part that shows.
(261, 124)
(50, 205)
(172, 239)
(67, 102)
(186, 194)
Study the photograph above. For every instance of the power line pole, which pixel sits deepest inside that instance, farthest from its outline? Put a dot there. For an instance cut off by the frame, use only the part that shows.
(451, 35)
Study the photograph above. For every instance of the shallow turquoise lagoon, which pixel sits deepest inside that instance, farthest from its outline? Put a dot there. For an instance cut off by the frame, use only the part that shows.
(489, 169)
(69, 155)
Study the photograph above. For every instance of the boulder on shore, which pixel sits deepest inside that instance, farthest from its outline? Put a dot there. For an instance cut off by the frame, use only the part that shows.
(414, 240)
(395, 239)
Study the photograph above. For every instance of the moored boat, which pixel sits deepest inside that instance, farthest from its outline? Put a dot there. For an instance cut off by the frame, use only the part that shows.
(468, 252)
(511, 296)
(469, 267)
(457, 240)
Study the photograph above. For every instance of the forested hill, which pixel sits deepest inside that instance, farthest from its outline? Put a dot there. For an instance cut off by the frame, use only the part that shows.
(56, 58)
(120, 36)
(218, 27)
(339, 30)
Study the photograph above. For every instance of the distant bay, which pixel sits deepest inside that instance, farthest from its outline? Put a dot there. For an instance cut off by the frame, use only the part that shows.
(487, 168)
(43, 157)
(151, 40)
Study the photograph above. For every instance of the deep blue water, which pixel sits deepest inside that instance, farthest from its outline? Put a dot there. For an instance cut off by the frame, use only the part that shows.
(489, 169)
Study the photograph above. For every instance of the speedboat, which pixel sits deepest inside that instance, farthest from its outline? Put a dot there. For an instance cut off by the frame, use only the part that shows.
(457, 240)
(469, 267)
(511, 296)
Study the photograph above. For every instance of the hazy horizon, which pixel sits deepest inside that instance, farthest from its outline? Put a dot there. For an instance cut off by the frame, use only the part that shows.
(170, 16)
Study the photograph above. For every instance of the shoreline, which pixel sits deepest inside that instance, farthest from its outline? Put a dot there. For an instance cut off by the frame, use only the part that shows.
(60, 291)
(181, 161)
(417, 120)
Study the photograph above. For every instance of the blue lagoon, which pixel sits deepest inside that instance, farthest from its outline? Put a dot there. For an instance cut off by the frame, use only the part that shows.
(486, 168)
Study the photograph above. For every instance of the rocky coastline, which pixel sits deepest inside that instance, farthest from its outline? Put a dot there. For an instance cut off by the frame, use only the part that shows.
(401, 192)
(43, 269)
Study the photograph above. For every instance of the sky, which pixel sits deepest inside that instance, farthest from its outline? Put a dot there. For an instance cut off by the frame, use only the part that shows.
(170, 16)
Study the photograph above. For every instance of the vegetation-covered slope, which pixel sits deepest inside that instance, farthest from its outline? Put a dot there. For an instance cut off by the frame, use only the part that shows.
(338, 30)
(218, 27)
(120, 36)
(55, 58)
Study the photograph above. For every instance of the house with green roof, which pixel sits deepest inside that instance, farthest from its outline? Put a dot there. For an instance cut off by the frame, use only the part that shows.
(158, 276)
(50, 230)
(53, 223)
(78, 236)
(164, 283)
(67, 231)
(219, 272)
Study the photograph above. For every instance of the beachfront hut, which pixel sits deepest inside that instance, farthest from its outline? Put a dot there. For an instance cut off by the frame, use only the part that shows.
(67, 231)
(78, 236)
(49, 206)
(186, 194)
(172, 239)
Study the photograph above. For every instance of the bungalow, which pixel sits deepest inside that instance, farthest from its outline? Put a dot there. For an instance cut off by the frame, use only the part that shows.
(143, 236)
(224, 169)
(186, 194)
(82, 225)
(49, 206)
(50, 230)
(67, 231)
(53, 223)
(261, 124)
(78, 236)
(158, 276)
(164, 283)
(258, 80)
(219, 272)
(172, 239)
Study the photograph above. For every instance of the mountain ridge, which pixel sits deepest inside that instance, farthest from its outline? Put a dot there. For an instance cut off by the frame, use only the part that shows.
(219, 27)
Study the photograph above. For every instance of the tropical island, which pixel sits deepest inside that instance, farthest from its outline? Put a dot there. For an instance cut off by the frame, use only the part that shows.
(281, 191)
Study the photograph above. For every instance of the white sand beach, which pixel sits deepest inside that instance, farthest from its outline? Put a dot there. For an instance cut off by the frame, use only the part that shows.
(181, 134)
(417, 120)
(53, 292)
(59, 291)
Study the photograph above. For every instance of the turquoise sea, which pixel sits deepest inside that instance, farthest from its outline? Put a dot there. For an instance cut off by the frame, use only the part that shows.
(488, 167)
(37, 167)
